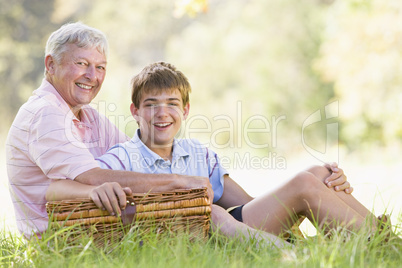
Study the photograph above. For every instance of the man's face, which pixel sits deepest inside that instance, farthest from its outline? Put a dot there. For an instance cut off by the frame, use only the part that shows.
(79, 75)
(160, 117)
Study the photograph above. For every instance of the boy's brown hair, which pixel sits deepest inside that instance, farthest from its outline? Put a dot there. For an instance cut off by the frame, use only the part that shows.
(158, 77)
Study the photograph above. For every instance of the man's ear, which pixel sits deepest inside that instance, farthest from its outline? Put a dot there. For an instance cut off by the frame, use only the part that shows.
(49, 64)
(186, 111)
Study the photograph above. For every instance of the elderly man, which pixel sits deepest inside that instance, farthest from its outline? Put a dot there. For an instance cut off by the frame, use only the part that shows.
(57, 135)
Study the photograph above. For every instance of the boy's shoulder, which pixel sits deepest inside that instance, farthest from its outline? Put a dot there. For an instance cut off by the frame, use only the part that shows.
(129, 145)
(191, 145)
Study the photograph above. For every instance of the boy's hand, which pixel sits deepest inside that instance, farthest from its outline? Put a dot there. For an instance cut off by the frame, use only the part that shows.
(210, 194)
(207, 184)
(337, 179)
(110, 196)
(193, 182)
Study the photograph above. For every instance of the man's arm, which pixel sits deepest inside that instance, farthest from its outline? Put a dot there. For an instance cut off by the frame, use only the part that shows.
(108, 188)
(110, 195)
(143, 183)
(233, 194)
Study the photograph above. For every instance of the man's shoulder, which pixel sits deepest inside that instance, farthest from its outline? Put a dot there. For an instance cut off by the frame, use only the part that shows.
(42, 102)
(35, 110)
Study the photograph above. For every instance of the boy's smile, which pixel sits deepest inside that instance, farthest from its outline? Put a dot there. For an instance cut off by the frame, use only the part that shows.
(159, 116)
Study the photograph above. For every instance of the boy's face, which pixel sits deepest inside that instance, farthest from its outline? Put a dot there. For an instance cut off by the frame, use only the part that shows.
(159, 116)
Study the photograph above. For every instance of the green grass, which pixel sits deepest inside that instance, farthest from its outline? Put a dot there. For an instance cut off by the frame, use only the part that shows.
(342, 250)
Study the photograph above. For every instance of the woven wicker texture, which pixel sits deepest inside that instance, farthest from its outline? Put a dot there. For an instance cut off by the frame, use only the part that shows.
(176, 211)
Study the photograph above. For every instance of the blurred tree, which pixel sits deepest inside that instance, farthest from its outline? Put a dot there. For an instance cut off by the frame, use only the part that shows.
(256, 53)
(24, 27)
(362, 56)
(259, 53)
(244, 58)
(190, 7)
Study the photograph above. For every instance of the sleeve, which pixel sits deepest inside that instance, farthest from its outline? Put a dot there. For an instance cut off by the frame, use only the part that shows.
(117, 158)
(216, 172)
(114, 135)
(53, 148)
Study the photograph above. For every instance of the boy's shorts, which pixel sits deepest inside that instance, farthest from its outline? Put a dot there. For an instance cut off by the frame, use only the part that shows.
(236, 212)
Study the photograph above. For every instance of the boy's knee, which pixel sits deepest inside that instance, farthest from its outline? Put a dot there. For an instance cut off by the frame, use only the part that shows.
(218, 214)
(222, 220)
(306, 182)
(320, 172)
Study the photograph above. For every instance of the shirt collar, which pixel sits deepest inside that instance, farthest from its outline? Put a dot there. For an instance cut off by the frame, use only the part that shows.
(178, 150)
(150, 157)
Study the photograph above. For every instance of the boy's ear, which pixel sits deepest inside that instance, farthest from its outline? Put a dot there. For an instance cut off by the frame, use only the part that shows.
(186, 111)
(134, 113)
(134, 110)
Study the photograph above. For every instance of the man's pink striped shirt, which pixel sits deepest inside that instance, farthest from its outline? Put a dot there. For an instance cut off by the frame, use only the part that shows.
(46, 141)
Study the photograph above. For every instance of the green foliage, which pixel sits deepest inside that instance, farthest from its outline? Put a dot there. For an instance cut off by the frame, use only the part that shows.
(361, 55)
(258, 53)
(24, 28)
(342, 250)
(274, 58)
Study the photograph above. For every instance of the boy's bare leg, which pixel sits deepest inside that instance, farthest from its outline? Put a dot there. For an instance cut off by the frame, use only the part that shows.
(304, 195)
(225, 224)
(322, 173)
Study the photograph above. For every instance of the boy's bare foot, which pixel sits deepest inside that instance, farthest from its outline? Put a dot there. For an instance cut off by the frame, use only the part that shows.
(384, 226)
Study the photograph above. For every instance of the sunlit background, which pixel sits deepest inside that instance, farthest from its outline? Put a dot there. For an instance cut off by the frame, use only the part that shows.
(278, 85)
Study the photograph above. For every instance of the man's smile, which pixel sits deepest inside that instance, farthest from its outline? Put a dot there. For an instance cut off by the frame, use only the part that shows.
(83, 86)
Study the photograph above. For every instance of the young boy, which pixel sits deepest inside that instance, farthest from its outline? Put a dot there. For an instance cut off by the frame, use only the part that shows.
(160, 96)
(159, 113)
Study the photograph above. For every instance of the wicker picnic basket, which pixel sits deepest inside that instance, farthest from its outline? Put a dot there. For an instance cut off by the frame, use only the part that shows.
(186, 211)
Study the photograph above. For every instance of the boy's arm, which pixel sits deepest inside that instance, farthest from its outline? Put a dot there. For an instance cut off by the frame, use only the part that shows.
(233, 194)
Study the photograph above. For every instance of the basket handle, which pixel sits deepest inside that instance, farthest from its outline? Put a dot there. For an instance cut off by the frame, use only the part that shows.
(128, 214)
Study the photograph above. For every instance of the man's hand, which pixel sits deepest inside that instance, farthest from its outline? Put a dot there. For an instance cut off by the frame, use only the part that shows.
(110, 196)
(337, 179)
